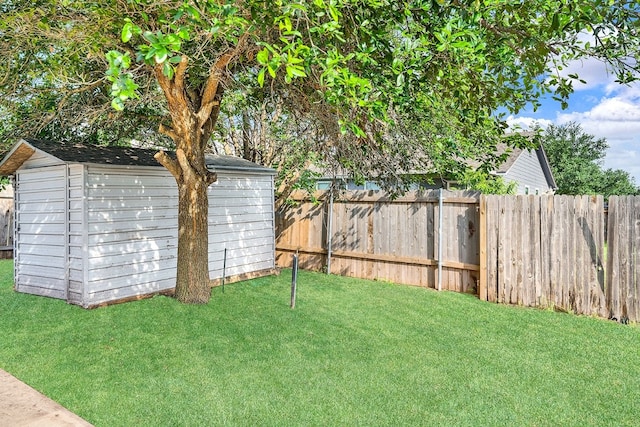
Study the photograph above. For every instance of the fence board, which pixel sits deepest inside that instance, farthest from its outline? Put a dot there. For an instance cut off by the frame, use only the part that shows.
(536, 248)
(633, 305)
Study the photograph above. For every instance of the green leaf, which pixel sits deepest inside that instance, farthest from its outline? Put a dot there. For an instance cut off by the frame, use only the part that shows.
(261, 77)
(167, 70)
(125, 61)
(150, 37)
(555, 22)
(127, 32)
(161, 55)
(263, 56)
(183, 33)
(333, 11)
(117, 104)
(295, 71)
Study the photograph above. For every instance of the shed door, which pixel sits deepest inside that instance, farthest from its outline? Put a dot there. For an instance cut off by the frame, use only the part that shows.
(40, 240)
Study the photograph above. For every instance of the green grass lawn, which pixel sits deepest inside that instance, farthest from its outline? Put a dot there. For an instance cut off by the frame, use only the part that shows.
(353, 352)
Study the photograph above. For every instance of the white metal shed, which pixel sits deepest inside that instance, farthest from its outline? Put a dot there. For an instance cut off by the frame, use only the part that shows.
(99, 224)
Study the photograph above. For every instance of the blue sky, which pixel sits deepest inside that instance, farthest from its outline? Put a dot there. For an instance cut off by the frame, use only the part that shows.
(604, 109)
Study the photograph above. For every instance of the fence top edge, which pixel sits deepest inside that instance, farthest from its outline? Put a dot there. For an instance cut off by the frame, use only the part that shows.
(370, 196)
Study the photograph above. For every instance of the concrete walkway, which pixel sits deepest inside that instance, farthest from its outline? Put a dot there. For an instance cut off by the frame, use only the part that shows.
(20, 405)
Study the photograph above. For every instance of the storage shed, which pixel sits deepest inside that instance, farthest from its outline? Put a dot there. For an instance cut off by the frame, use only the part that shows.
(100, 224)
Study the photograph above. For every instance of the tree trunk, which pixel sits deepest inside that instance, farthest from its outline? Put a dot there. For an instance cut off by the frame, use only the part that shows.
(193, 116)
(192, 282)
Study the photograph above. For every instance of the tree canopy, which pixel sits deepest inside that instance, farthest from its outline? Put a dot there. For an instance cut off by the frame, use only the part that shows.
(376, 87)
(576, 160)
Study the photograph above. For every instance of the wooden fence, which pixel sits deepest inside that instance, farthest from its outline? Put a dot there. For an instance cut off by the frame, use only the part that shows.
(623, 261)
(543, 251)
(6, 227)
(363, 234)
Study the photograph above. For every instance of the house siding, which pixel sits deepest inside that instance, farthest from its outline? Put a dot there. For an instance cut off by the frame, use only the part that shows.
(527, 172)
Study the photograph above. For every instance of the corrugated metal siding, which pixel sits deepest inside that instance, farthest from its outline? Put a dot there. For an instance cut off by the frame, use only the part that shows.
(527, 171)
(40, 263)
(241, 220)
(132, 232)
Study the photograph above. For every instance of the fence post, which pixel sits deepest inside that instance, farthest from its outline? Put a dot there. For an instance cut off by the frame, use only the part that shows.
(224, 268)
(329, 230)
(482, 286)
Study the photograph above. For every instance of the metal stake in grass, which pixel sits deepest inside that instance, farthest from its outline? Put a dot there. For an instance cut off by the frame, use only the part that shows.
(294, 280)
(224, 268)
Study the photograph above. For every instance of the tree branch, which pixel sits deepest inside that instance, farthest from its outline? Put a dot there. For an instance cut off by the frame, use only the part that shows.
(211, 90)
(172, 166)
(177, 98)
(168, 131)
(187, 170)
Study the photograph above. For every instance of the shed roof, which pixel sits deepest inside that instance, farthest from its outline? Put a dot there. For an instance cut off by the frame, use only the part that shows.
(122, 156)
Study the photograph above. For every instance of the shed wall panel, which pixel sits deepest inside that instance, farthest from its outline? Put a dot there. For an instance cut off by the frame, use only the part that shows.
(132, 232)
(96, 233)
(131, 290)
(76, 233)
(40, 160)
(40, 222)
(241, 220)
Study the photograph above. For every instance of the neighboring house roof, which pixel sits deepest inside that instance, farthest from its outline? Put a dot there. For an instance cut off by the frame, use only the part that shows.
(518, 153)
(121, 156)
(529, 168)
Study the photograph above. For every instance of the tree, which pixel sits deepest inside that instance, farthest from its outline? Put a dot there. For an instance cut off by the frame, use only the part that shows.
(616, 182)
(363, 74)
(576, 162)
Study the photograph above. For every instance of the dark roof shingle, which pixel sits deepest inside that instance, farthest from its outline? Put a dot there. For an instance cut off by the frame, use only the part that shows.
(113, 155)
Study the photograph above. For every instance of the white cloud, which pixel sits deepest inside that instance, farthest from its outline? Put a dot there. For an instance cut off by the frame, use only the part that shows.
(527, 123)
(591, 70)
(615, 117)
(625, 156)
